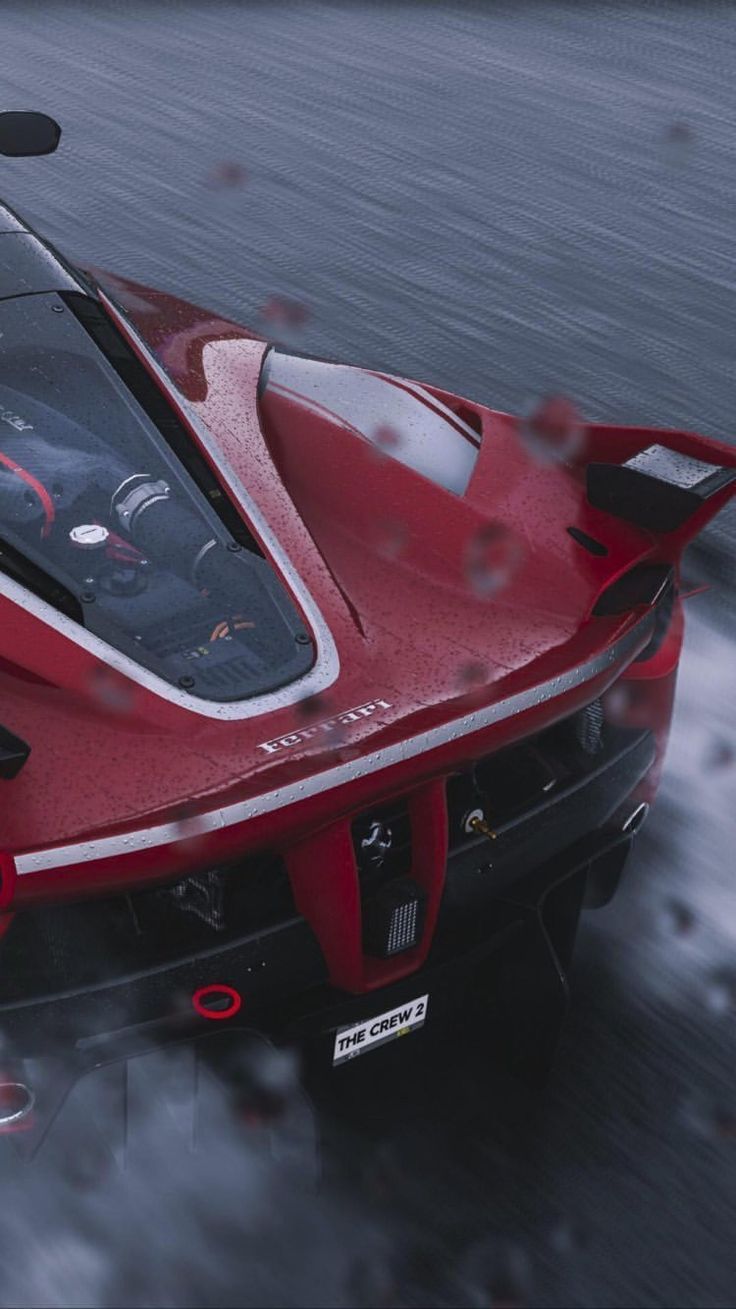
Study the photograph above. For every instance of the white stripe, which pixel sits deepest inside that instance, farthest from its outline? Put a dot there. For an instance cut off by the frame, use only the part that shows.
(434, 402)
(619, 654)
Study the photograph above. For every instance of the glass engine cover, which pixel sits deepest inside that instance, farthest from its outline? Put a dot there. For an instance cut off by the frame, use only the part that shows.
(95, 504)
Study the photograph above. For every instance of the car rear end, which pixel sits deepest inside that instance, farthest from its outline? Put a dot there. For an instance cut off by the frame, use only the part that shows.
(515, 841)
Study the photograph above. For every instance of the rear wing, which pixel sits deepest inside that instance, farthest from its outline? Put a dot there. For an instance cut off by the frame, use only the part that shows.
(669, 483)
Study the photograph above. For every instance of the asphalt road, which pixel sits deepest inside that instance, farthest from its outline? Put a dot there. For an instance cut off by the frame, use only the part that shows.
(502, 199)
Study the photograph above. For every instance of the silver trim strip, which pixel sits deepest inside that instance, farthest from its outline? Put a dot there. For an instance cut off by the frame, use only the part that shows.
(620, 653)
(327, 665)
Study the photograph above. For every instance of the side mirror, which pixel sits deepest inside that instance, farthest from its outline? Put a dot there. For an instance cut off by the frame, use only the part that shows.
(28, 134)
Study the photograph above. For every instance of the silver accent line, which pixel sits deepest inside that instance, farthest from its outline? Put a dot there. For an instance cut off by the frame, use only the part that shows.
(107, 847)
(326, 668)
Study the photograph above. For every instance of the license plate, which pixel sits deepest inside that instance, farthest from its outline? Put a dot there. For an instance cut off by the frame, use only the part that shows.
(372, 1032)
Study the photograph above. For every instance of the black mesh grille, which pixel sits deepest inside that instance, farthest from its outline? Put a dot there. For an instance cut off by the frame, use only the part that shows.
(68, 946)
(589, 727)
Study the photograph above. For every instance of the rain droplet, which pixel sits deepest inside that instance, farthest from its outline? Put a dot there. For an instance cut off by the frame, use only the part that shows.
(227, 174)
(617, 704)
(110, 689)
(492, 557)
(712, 1120)
(282, 311)
(568, 1237)
(312, 707)
(471, 674)
(190, 829)
(719, 754)
(679, 918)
(390, 538)
(553, 430)
(678, 141)
(720, 993)
(386, 439)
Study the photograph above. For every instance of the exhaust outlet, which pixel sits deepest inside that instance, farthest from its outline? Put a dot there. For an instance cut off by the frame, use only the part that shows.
(16, 1104)
(635, 819)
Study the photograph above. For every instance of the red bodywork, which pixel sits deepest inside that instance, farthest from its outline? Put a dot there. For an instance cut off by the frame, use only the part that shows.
(130, 786)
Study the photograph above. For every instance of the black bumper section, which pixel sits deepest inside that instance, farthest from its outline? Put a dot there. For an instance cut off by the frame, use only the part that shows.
(513, 901)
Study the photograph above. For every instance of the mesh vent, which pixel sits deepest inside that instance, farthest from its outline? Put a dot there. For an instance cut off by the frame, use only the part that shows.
(61, 947)
(393, 918)
(589, 728)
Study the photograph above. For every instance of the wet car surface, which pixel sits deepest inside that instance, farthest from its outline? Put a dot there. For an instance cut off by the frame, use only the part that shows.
(505, 203)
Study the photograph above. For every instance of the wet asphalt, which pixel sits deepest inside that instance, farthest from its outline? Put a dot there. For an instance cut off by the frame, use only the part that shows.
(503, 199)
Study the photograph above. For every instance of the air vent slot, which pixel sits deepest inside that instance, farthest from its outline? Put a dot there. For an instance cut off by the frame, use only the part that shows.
(588, 543)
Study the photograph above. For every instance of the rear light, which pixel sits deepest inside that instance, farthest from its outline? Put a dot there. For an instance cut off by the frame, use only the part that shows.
(393, 918)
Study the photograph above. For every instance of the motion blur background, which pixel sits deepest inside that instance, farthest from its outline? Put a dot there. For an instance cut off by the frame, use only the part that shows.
(504, 199)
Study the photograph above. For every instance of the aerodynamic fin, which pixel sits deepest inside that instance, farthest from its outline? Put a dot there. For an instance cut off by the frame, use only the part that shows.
(672, 485)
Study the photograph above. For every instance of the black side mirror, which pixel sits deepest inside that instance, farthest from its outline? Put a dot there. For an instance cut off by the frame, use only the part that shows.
(28, 134)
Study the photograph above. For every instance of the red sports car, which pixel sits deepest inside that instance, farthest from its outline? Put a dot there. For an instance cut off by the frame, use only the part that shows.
(326, 696)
